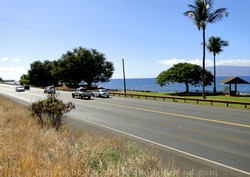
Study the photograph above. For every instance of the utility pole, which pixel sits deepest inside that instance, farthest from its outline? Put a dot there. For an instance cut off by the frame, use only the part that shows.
(124, 79)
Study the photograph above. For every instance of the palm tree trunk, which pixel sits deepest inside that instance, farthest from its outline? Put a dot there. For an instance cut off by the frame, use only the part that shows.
(214, 76)
(203, 64)
(187, 88)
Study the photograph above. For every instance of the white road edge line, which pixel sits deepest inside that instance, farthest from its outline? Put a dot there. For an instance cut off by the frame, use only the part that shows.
(158, 144)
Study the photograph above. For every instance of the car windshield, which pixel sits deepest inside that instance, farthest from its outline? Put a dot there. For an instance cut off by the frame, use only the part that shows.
(19, 86)
(49, 87)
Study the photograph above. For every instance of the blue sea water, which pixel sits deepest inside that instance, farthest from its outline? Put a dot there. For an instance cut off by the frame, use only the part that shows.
(149, 84)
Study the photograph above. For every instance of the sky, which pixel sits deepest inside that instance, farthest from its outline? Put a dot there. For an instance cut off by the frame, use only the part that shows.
(150, 35)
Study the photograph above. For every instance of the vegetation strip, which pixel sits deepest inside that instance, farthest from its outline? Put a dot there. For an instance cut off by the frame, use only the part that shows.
(238, 100)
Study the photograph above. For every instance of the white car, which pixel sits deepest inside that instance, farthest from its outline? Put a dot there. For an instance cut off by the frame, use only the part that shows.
(101, 93)
(20, 88)
(50, 90)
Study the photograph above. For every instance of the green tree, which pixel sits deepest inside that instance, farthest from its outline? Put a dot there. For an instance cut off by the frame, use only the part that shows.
(36, 73)
(184, 73)
(40, 73)
(84, 65)
(24, 79)
(202, 14)
(215, 46)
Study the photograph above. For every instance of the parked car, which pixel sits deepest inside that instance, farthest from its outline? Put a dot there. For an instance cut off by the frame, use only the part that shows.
(20, 88)
(50, 90)
(101, 93)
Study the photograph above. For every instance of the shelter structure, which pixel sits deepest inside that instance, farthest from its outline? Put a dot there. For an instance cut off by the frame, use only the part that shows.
(233, 80)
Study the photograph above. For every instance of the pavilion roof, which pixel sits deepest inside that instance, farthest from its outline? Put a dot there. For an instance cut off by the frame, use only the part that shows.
(234, 80)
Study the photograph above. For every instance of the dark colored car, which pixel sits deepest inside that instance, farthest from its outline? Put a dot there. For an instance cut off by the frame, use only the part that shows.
(26, 87)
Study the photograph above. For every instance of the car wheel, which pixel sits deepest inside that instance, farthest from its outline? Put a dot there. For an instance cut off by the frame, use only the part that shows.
(73, 96)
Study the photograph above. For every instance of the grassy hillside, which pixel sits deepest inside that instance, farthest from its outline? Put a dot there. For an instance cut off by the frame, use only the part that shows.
(28, 150)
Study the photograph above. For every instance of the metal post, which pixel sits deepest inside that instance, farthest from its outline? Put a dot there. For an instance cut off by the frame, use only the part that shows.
(124, 79)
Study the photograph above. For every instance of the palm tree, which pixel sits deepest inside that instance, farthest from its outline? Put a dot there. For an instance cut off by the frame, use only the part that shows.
(201, 13)
(215, 45)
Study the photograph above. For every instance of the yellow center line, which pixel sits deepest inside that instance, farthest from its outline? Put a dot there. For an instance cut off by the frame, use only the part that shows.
(178, 115)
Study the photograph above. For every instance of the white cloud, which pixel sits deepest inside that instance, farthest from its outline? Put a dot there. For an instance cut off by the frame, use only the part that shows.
(233, 62)
(230, 62)
(171, 62)
(17, 60)
(4, 58)
(12, 73)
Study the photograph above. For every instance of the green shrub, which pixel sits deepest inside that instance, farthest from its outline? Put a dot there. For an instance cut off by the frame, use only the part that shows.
(51, 111)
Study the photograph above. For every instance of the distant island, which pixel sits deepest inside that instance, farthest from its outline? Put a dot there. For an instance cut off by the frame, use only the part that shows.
(231, 70)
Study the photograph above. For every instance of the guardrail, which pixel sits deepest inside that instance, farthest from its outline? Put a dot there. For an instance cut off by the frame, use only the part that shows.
(185, 99)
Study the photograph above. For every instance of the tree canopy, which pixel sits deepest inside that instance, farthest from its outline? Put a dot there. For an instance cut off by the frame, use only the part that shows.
(184, 73)
(84, 65)
(73, 67)
(40, 73)
(216, 44)
(24, 79)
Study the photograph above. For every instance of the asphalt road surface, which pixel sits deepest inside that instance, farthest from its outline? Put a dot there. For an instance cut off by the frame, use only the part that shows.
(212, 135)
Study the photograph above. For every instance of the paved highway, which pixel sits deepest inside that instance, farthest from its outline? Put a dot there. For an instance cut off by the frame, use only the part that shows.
(220, 136)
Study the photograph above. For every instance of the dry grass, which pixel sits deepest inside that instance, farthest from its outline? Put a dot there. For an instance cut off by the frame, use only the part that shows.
(28, 150)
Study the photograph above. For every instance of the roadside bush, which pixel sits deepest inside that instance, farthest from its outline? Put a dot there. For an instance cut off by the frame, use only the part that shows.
(51, 111)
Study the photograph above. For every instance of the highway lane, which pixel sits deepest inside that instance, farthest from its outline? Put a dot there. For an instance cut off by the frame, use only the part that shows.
(224, 140)
(220, 135)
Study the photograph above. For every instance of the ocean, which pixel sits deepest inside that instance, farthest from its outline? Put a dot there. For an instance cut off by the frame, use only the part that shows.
(149, 84)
